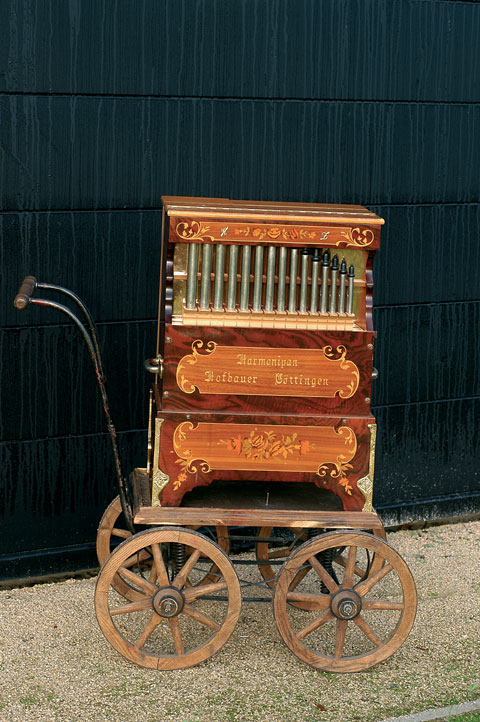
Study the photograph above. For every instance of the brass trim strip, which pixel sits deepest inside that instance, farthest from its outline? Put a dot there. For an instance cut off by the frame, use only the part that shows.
(159, 478)
(365, 484)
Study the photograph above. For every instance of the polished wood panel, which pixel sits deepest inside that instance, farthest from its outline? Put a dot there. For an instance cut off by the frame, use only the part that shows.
(275, 394)
(198, 449)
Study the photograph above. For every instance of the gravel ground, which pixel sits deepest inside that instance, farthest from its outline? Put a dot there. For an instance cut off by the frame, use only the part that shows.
(56, 664)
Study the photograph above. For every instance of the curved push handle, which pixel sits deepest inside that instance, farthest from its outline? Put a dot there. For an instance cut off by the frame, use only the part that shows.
(25, 292)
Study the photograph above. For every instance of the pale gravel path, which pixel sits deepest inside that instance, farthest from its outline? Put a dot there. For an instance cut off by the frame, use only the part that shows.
(57, 666)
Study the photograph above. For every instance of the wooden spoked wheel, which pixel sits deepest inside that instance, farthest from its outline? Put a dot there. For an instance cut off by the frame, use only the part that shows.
(267, 551)
(175, 622)
(275, 552)
(364, 615)
(112, 528)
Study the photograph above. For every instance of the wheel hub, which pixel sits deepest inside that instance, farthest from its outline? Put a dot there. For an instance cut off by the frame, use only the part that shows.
(168, 602)
(346, 604)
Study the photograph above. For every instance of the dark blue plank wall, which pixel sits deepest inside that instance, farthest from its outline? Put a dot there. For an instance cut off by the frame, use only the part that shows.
(105, 106)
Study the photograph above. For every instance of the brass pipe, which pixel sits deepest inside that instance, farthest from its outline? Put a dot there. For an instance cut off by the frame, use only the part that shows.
(316, 258)
(282, 278)
(351, 281)
(192, 270)
(205, 282)
(220, 250)
(258, 279)
(324, 291)
(332, 307)
(232, 277)
(305, 255)
(341, 293)
(270, 288)
(292, 290)
(245, 281)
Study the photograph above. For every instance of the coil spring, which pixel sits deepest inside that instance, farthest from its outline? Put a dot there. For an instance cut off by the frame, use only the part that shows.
(325, 558)
(178, 556)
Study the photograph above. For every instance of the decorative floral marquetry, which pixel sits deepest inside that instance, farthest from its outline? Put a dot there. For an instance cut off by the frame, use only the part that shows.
(188, 229)
(192, 230)
(324, 450)
(267, 445)
(358, 237)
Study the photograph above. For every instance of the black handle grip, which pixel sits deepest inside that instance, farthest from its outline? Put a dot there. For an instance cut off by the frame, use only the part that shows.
(25, 292)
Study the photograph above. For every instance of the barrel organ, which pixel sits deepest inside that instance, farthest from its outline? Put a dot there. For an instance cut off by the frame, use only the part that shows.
(264, 348)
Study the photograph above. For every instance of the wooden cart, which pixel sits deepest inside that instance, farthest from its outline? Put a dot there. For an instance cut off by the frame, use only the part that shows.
(259, 417)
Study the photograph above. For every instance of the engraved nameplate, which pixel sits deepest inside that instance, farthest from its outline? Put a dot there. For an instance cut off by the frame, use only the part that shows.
(248, 371)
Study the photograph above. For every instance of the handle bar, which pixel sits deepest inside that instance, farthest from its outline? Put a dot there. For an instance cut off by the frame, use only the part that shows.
(25, 292)
(88, 331)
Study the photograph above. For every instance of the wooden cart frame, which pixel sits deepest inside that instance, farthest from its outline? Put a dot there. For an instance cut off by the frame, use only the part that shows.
(168, 596)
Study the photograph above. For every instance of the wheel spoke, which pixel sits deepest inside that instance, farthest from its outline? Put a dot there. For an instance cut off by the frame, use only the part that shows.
(363, 587)
(162, 575)
(315, 601)
(279, 553)
(331, 585)
(374, 604)
(301, 574)
(357, 570)
(350, 567)
(315, 624)
(151, 625)
(177, 637)
(200, 617)
(146, 586)
(124, 533)
(182, 575)
(193, 593)
(136, 559)
(367, 630)
(140, 606)
(340, 638)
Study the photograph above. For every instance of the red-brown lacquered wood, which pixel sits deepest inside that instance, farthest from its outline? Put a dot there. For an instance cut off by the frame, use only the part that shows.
(336, 233)
(171, 625)
(334, 375)
(356, 617)
(332, 453)
(223, 207)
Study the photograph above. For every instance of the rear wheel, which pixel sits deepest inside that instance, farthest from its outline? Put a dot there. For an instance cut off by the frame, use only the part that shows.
(112, 529)
(174, 622)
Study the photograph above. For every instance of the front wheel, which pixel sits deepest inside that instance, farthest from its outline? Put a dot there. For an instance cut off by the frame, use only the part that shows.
(350, 620)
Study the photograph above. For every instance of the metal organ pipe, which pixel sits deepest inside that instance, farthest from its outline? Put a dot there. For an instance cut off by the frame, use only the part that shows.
(258, 279)
(270, 287)
(192, 269)
(332, 307)
(316, 258)
(292, 290)
(220, 251)
(206, 276)
(305, 255)
(282, 278)
(232, 277)
(245, 282)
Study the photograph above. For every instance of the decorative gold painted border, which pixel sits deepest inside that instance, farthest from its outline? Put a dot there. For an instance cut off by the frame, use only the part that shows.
(365, 484)
(263, 371)
(198, 231)
(263, 447)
